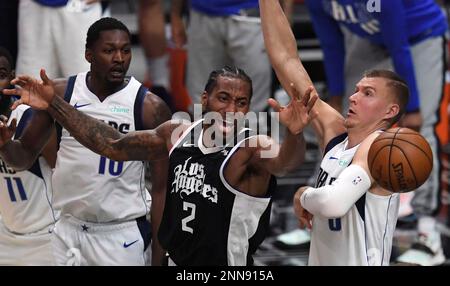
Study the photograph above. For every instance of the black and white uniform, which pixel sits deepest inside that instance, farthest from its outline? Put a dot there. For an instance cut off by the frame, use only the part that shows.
(27, 216)
(363, 236)
(103, 202)
(206, 221)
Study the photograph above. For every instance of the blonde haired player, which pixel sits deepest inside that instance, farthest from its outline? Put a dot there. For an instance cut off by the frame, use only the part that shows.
(352, 218)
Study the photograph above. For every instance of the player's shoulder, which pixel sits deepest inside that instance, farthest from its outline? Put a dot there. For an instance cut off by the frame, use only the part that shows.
(367, 142)
(364, 146)
(155, 110)
(60, 85)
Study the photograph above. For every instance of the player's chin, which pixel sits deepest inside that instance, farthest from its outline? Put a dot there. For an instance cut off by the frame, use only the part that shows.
(116, 78)
(349, 123)
(225, 130)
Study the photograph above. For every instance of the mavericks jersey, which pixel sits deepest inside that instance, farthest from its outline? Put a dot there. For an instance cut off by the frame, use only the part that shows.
(26, 196)
(363, 236)
(91, 187)
(206, 221)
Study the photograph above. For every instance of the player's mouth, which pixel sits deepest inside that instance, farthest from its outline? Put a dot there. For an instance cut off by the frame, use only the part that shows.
(117, 72)
(350, 112)
(225, 125)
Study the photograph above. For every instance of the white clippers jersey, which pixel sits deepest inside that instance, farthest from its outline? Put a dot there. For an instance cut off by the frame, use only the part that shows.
(364, 235)
(25, 196)
(91, 187)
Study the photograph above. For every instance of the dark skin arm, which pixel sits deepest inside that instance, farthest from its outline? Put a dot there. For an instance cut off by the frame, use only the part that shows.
(249, 170)
(20, 154)
(105, 140)
(155, 113)
(151, 28)
(97, 136)
(178, 29)
(50, 149)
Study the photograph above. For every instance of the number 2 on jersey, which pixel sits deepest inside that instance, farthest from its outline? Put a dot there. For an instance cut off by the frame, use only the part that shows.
(186, 207)
(114, 168)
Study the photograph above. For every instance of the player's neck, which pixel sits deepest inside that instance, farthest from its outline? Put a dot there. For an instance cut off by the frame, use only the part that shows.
(101, 88)
(356, 134)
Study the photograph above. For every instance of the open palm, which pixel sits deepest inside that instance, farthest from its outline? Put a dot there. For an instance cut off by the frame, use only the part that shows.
(35, 93)
(298, 113)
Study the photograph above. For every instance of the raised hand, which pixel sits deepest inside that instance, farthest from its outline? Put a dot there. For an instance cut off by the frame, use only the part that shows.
(35, 93)
(6, 132)
(298, 113)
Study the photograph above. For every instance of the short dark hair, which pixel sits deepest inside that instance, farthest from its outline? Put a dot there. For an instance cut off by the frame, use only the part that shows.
(230, 72)
(5, 53)
(399, 87)
(104, 24)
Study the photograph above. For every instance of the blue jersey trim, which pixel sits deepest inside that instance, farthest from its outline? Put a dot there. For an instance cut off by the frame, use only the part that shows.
(138, 108)
(333, 142)
(26, 118)
(67, 97)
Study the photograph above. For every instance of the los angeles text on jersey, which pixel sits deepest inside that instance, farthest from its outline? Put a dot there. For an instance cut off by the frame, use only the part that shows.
(189, 178)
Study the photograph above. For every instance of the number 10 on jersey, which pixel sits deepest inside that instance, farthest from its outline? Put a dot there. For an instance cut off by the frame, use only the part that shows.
(114, 167)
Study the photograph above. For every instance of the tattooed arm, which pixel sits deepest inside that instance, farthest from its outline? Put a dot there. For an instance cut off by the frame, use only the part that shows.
(92, 133)
(154, 113)
(22, 152)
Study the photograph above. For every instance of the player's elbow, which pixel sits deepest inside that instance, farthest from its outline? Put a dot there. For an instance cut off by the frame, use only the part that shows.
(327, 206)
(333, 211)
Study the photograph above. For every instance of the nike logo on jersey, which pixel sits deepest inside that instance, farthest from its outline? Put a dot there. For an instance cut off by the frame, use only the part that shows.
(333, 158)
(76, 106)
(187, 144)
(126, 245)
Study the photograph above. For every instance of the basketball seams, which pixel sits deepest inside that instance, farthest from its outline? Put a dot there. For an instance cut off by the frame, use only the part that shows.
(398, 162)
(376, 155)
(409, 164)
(430, 160)
(389, 159)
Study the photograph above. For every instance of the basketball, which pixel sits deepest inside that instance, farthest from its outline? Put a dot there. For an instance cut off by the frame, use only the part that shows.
(400, 160)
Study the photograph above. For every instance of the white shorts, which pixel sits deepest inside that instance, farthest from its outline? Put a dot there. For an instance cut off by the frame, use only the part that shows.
(76, 242)
(53, 38)
(25, 249)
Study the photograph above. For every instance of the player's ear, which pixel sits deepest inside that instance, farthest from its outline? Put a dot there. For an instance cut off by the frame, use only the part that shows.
(392, 111)
(204, 99)
(88, 55)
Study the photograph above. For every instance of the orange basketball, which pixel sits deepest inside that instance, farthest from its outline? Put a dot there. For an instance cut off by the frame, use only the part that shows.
(400, 160)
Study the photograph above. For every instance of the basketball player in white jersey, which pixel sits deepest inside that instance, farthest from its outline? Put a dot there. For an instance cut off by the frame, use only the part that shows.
(217, 209)
(27, 217)
(103, 202)
(352, 218)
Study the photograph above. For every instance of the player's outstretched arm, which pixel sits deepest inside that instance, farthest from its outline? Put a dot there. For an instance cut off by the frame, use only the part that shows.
(21, 153)
(279, 160)
(335, 200)
(92, 133)
(282, 50)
